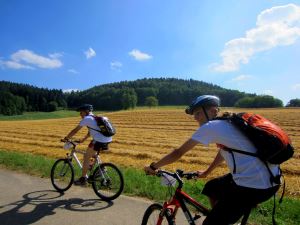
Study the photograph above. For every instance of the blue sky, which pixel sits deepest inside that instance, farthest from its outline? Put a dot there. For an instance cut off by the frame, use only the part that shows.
(249, 45)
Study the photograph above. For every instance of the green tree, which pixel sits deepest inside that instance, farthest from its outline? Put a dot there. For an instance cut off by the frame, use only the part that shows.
(20, 104)
(145, 92)
(151, 101)
(261, 101)
(10, 104)
(52, 106)
(129, 99)
(245, 102)
(294, 103)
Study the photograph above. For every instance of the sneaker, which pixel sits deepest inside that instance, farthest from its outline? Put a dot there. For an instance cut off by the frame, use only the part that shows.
(81, 181)
(90, 179)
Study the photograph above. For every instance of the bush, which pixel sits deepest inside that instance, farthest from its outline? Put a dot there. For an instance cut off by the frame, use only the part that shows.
(151, 101)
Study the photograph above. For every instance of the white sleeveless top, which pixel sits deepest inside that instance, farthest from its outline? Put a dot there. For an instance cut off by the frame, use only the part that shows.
(90, 121)
(250, 171)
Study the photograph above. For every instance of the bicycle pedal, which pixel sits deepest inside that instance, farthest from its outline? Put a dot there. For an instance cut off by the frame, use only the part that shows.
(90, 180)
(197, 216)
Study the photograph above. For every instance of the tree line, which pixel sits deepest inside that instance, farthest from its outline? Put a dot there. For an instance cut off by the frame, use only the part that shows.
(17, 98)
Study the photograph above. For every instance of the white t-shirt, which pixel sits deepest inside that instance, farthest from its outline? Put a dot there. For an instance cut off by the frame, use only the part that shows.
(250, 171)
(90, 121)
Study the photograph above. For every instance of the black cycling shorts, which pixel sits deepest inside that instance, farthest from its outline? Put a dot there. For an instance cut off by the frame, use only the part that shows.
(232, 200)
(98, 146)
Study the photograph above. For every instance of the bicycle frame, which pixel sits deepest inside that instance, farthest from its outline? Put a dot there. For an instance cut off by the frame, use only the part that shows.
(73, 152)
(179, 200)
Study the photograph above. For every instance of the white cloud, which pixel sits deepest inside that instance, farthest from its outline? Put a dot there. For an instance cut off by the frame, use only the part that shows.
(90, 53)
(26, 59)
(70, 90)
(56, 55)
(73, 71)
(296, 87)
(241, 78)
(116, 65)
(140, 56)
(29, 57)
(277, 26)
(14, 65)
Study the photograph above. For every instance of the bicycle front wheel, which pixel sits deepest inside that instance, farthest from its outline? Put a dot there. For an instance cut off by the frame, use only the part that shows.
(62, 175)
(108, 181)
(154, 216)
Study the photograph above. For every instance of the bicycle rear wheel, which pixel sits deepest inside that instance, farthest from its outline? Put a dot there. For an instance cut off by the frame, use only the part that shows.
(153, 216)
(62, 175)
(108, 181)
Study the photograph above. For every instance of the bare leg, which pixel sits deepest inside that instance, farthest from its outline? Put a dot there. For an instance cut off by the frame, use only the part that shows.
(88, 154)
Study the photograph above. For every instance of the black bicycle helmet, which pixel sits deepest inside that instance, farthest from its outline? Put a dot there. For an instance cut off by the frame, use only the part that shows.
(203, 101)
(85, 107)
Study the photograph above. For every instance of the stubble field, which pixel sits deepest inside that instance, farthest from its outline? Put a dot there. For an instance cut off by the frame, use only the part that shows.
(144, 136)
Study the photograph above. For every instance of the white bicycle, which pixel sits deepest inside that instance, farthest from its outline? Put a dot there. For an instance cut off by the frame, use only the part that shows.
(106, 179)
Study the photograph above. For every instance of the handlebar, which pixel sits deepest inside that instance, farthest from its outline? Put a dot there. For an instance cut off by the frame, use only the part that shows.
(178, 175)
(73, 142)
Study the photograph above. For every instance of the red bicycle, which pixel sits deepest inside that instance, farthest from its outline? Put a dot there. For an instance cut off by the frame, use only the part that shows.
(166, 213)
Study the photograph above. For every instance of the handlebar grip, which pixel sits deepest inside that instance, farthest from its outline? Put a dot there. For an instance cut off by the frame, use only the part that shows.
(190, 176)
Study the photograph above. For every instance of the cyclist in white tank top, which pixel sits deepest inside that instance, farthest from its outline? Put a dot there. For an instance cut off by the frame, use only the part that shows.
(249, 181)
(99, 141)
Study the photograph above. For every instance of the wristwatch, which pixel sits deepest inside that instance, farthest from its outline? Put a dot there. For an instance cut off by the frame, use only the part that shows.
(152, 166)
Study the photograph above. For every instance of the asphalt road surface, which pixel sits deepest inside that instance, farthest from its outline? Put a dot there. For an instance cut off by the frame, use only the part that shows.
(27, 199)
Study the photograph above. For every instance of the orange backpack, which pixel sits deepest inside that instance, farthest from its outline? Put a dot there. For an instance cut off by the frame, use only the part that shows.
(272, 143)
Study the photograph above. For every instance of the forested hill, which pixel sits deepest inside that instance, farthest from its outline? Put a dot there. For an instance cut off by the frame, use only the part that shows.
(167, 91)
(17, 98)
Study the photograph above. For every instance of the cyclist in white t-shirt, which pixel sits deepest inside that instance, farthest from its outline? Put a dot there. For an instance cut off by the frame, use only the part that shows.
(248, 182)
(99, 142)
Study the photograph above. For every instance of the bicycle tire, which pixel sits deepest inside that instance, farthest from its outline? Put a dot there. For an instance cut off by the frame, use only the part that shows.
(107, 181)
(62, 175)
(153, 216)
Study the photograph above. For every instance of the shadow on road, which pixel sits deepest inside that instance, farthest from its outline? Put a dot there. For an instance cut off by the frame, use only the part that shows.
(38, 204)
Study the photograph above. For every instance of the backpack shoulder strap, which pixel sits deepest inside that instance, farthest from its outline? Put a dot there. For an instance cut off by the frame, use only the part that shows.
(240, 151)
(94, 129)
(231, 150)
(94, 116)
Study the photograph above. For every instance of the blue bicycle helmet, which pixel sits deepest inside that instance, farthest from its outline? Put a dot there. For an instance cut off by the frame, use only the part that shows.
(203, 101)
(85, 107)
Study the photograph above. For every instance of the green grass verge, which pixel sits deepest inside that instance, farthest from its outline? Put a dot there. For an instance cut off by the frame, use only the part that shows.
(66, 113)
(42, 115)
(137, 184)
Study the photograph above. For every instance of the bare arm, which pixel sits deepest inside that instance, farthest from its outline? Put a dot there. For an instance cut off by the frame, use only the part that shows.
(73, 132)
(86, 137)
(217, 161)
(173, 156)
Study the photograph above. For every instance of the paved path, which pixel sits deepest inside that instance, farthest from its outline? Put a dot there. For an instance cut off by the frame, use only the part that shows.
(26, 200)
(32, 200)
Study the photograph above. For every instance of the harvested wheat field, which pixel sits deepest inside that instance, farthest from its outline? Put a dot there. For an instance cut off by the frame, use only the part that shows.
(144, 136)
